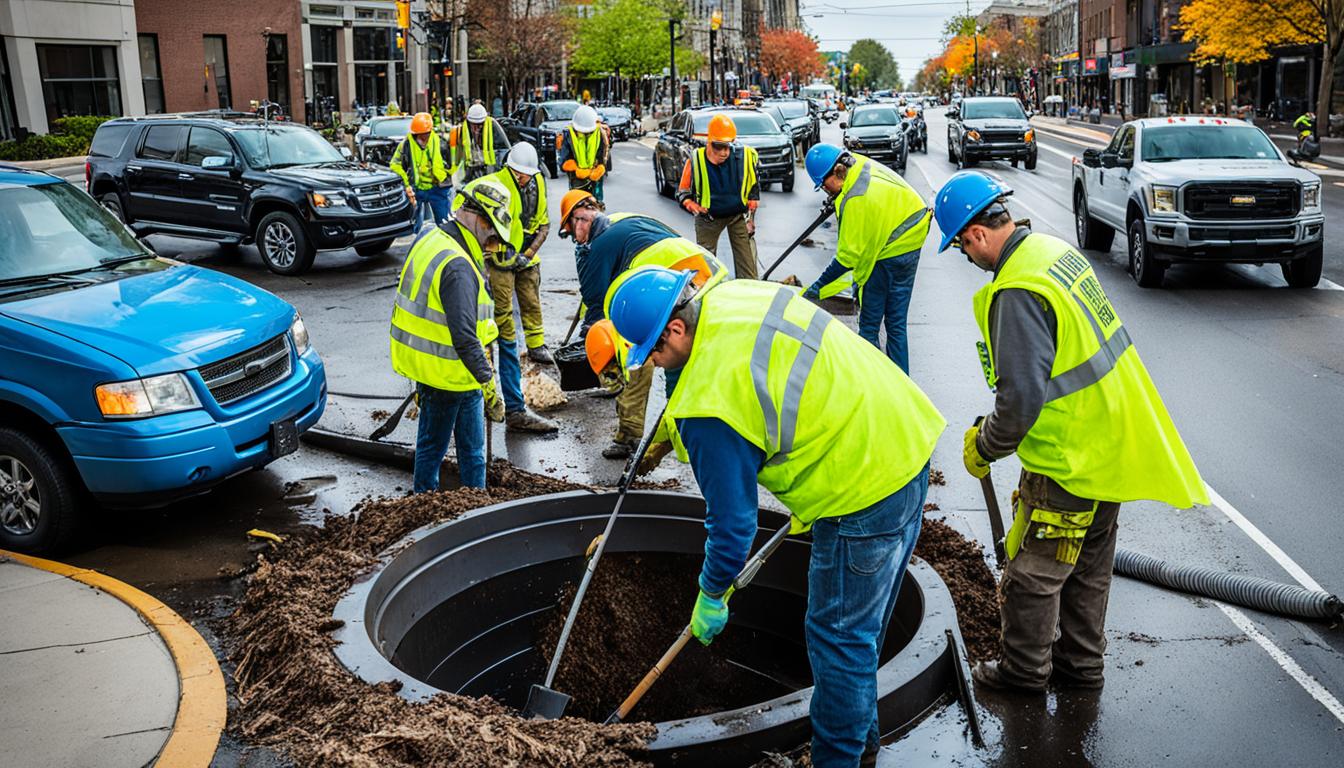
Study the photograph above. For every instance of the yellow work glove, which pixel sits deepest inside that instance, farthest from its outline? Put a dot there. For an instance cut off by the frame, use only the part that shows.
(494, 404)
(970, 455)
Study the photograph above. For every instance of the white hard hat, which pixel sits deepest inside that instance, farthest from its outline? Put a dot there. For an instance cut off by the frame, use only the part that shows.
(523, 158)
(585, 119)
(476, 114)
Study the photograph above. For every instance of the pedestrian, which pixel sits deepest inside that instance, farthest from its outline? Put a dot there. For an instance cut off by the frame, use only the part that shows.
(719, 186)
(882, 224)
(477, 144)
(1075, 403)
(582, 152)
(767, 394)
(418, 160)
(442, 324)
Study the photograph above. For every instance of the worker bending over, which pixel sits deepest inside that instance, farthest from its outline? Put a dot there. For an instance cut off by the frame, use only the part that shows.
(418, 160)
(775, 391)
(582, 150)
(1074, 401)
(477, 144)
(719, 185)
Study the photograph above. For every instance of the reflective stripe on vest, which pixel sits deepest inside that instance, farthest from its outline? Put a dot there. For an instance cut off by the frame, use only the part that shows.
(487, 142)
(746, 156)
(431, 156)
(780, 433)
(585, 146)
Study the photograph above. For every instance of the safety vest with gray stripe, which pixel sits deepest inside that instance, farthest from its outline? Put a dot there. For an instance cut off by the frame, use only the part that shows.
(840, 425)
(422, 346)
(880, 217)
(1104, 432)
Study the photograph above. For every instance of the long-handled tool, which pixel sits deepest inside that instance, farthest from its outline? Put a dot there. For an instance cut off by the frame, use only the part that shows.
(827, 208)
(743, 579)
(392, 421)
(992, 505)
(542, 700)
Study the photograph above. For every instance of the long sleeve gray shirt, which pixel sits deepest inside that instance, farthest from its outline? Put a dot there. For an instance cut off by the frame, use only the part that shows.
(1022, 335)
(459, 288)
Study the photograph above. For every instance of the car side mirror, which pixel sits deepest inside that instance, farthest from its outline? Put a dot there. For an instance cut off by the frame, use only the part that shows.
(1092, 158)
(1108, 159)
(1124, 162)
(213, 162)
(346, 153)
(843, 125)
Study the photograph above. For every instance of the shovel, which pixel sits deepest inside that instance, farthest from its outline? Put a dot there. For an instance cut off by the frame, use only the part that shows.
(743, 579)
(542, 700)
(992, 506)
(827, 208)
(393, 420)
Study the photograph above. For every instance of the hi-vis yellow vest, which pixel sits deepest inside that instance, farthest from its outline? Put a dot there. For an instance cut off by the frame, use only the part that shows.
(667, 253)
(425, 167)
(700, 173)
(880, 217)
(422, 347)
(841, 426)
(523, 222)
(463, 154)
(1104, 433)
(585, 146)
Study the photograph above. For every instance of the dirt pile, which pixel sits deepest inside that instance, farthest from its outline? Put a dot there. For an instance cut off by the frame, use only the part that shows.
(961, 563)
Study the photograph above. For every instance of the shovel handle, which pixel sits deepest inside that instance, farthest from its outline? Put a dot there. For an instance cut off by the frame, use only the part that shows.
(651, 677)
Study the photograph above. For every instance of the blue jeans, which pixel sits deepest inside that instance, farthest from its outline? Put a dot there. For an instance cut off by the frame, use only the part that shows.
(443, 413)
(432, 202)
(858, 562)
(886, 298)
(511, 375)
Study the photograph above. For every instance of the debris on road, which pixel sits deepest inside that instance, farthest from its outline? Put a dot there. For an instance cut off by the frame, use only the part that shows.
(541, 392)
(961, 563)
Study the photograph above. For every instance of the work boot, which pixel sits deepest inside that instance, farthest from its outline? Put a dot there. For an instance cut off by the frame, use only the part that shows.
(1062, 679)
(527, 421)
(540, 355)
(619, 449)
(989, 675)
(869, 757)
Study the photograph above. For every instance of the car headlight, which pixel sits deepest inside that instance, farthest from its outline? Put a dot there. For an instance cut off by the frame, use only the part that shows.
(1029, 136)
(328, 199)
(973, 135)
(138, 398)
(1162, 199)
(1311, 194)
(299, 333)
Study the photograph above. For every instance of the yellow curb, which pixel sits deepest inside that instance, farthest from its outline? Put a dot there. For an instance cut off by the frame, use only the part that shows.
(201, 704)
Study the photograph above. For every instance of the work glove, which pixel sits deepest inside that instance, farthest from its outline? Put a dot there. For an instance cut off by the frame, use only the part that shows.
(709, 617)
(597, 173)
(583, 173)
(524, 261)
(694, 207)
(976, 464)
(653, 456)
(494, 404)
(570, 166)
(813, 293)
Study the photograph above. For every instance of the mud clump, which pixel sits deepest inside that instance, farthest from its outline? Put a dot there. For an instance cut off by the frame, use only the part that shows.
(961, 564)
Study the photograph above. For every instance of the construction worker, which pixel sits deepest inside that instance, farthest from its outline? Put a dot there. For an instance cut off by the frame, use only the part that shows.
(767, 394)
(477, 144)
(606, 352)
(882, 225)
(443, 321)
(418, 160)
(582, 151)
(605, 247)
(719, 186)
(1075, 403)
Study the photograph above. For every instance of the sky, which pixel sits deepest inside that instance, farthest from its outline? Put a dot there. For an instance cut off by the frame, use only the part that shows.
(910, 29)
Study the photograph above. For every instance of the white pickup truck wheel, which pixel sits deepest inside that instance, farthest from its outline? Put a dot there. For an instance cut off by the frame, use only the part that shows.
(1092, 234)
(1306, 271)
(1147, 271)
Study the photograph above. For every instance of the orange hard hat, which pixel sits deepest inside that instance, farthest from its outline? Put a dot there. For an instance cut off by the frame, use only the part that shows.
(422, 123)
(570, 201)
(721, 128)
(696, 263)
(600, 344)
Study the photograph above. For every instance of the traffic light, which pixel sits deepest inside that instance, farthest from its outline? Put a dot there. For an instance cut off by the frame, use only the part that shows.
(401, 40)
(447, 71)
(403, 16)
(716, 20)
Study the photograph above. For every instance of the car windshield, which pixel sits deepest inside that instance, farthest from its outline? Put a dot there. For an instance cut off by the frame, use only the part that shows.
(280, 146)
(1003, 109)
(560, 110)
(55, 228)
(748, 123)
(1206, 142)
(877, 116)
(614, 113)
(792, 108)
(774, 112)
(395, 127)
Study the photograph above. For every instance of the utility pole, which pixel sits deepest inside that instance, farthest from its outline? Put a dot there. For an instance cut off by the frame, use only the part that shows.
(674, 90)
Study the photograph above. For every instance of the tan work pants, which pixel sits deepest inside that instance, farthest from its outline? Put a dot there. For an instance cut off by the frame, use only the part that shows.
(708, 232)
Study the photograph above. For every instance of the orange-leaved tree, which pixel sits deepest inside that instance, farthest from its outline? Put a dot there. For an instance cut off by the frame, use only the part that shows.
(786, 52)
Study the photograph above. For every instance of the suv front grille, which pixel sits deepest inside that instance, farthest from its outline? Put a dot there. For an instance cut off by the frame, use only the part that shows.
(772, 154)
(249, 372)
(380, 197)
(1243, 200)
(1001, 137)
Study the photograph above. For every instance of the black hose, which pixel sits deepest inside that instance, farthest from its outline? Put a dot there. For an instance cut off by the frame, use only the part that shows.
(1249, 591)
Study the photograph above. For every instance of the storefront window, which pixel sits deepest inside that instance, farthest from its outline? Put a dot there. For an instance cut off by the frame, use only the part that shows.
(79, 80)
(373, 44)
(7, 121)
(151, 77)
(324, 44)
(217, 68)
(277, 70)
(371, 84)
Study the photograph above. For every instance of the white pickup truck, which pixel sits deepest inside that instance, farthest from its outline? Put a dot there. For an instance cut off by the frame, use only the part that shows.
(1199, 189)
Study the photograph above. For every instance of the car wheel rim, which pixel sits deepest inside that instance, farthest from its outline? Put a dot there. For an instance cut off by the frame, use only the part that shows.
(20, 503)
(280, 245)
(1079, 219)
(1136, 253)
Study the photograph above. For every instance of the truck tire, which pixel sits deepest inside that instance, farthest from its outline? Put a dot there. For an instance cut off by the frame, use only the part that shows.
(1030, 165)
(1305, 272)
(112, 202)
(659, 182)
(39, 495)
(1146, 269)
(951, 156)
(787, 184)
(1092, 234)
(284, 244)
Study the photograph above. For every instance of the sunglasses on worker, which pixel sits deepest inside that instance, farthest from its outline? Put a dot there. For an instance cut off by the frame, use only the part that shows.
(720, 146)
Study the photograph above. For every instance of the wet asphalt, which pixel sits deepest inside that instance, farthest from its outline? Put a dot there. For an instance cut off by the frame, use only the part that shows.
(1252, 372)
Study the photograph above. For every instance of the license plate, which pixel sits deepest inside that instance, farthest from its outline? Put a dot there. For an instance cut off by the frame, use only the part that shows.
(284, 438)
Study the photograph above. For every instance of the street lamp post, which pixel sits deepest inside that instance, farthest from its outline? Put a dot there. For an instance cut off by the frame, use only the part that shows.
(675, 88)
(994, 72)
(715, 21)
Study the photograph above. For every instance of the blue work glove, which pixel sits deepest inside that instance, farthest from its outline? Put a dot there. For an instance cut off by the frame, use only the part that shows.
(709, 617)
(813, 293)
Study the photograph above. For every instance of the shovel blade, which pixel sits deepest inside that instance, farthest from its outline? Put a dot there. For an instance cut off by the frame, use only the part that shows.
(545, 703)
(613, 718)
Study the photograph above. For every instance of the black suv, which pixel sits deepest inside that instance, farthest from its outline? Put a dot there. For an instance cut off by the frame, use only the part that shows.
(990, 128)
(238, 181)
(686, 133)
(539, 124)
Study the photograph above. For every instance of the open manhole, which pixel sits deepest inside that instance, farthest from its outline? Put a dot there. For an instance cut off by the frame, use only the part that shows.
(460, 607)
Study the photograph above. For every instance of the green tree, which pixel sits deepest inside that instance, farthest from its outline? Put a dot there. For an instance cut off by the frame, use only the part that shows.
(628, 39)
(879, 66)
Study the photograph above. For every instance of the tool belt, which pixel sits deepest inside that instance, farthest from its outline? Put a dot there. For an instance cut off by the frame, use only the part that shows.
(1058, 515)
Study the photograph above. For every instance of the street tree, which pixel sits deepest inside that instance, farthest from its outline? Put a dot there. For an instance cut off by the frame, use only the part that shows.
(628, 39)
(881, 68)
(788, 53)
(519, 40)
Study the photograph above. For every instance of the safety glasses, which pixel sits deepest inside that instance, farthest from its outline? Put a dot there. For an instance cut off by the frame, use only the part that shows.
(720, 146)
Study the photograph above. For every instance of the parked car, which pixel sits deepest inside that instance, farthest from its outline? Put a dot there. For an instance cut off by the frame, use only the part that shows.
(127, 377)
(990, 128)
(620, 120)
(686, 133)
(378, 137)
(804, 123)
(239, 181)
(539, 124)
(876, 131)
(1199, 189)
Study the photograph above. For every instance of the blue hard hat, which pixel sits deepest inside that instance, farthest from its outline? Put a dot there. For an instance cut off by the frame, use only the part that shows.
(641, 307)
(962, 198)
(821, 159)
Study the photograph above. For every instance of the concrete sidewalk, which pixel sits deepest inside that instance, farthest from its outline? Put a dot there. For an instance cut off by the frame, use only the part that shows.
(97, 673)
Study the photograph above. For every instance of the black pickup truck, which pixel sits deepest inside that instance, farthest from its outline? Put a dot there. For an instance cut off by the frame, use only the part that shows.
(241, 180)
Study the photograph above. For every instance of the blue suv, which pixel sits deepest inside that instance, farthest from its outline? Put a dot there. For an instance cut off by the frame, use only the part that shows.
(127, 378)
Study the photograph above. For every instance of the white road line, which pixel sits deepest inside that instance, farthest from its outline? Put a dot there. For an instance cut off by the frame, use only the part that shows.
(1255, 534)
(1060, 152)
(1309, 684)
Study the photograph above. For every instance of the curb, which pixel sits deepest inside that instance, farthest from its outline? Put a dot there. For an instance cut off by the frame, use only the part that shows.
(201, 705)
(43, 165)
